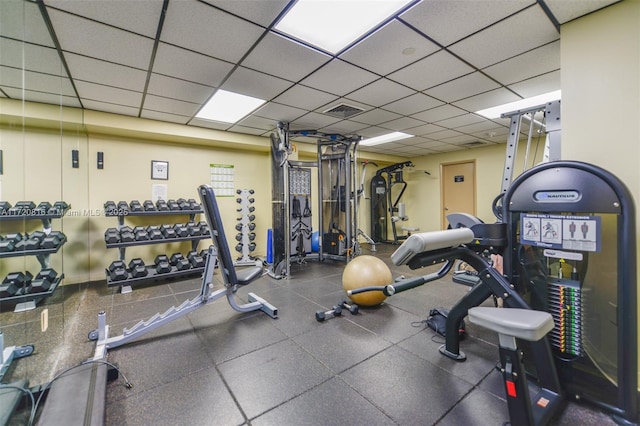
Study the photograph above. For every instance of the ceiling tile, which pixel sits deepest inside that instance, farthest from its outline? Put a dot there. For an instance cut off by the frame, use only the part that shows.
(345, 101)
(41, 97)
(209, 124)
(100, 93)
(447, 147)
(187, 65)
(445, 134)
(460, 139)
(163, 116)
(487, 126)
(390, 48)
(436, 17)
(246, 130)
(372, 132)
(200, 27)
(313, 120)
(305, 97)
(380, 92)
(413, 104)
(526, 30)
(284, 58)
(278, 112)
(425, 129)
(487, 100)
(140, 16)
(402, 124)
(463, 87)
(107, 73)
(178, 89)
(375, 116)
(461, 120)
(534, 62)
(431, 71)
(565, 11)
(28, 80)
(339, 78)
(252, 83)
(32, 57)
(257, 123)
(171, 106)
(347, 127)
(439, 113)
(22, 20)
(109, 107)
(259, 11)
(101, 41)
(535, 86)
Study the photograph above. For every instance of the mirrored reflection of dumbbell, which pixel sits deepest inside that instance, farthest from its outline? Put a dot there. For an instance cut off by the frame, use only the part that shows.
(335, 311)
(353, 308)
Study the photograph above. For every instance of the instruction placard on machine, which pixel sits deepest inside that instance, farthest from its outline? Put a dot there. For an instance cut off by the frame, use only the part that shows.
(561, 232)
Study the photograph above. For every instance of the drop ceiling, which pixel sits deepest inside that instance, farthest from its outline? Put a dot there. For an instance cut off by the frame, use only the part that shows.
(424, 71)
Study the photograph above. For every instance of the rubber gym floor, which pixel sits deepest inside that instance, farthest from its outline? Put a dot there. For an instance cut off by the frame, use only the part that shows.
(220, 367)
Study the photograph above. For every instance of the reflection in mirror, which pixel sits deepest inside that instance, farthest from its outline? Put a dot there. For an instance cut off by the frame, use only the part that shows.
(40, 126)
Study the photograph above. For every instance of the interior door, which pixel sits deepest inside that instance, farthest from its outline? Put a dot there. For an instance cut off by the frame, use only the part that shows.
(458, 189)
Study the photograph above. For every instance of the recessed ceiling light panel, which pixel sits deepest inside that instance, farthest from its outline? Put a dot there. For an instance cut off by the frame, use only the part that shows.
(497, 111)
(228, 107)
(332, 25)
(389, 137)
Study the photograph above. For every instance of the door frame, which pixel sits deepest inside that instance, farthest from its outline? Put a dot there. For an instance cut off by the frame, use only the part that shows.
(443, 216)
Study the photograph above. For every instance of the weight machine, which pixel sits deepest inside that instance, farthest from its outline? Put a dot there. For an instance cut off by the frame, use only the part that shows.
(385, 202)
(291, 188)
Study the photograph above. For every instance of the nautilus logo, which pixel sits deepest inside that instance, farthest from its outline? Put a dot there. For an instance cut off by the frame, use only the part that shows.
(557, 196)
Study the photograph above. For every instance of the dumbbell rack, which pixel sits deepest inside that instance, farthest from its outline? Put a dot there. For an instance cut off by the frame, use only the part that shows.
(121, 214)
(245, 226)
(23, 300)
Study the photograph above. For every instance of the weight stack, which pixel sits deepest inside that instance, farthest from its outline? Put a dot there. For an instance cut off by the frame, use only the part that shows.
(565, 306)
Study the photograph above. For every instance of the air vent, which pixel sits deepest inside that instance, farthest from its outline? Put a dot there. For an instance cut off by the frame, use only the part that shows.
(343, 111)
(472, 144)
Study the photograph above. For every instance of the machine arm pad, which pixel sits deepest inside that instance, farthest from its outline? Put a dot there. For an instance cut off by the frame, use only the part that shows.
(429, 241)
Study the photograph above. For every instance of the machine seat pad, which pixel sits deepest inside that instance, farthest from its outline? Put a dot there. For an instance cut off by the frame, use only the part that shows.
(524, 324)
(246, 275)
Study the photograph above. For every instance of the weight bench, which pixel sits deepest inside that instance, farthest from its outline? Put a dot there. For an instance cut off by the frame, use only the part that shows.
(219, 254)
(533, 326)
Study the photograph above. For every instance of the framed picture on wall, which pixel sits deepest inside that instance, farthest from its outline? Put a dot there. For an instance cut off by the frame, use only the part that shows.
(159, 170)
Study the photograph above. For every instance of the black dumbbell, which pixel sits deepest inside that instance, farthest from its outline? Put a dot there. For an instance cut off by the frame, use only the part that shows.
(154, 232)
(353, 308)
(117, 270)
(204, 253)
(34, 240)
(137, 268)
(239, 236)
(22, 280)
(239, 247)
(135, 206)
(252, 236)
(173, 205)
(43, 280)
(194, 229)
(251, 226)
(204, 228)
(335, 311)
(42, 209)
(162, 264)
(149, 206)
(193, 204)
(27, 207)
(168, 231)
(4, 207)
(162, 206)
(140, 233)
(181, 230)
(111, 236)
(183, 204)
(6, 245)
(110, 207)
(196, 260)
(179, 261)
(8, 289)
(252, 246)
(239, 226)
(53, 240)
(58, 208)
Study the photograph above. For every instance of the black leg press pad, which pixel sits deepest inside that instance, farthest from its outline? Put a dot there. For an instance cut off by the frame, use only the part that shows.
(10, 397)
(77, 397)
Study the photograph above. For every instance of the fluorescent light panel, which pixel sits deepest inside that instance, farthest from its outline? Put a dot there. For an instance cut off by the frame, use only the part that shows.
(389, 137)
(228, 107)
(331, 25)
(497, 111)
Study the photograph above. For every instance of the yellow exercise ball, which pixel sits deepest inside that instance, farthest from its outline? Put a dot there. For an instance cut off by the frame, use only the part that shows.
(366, 271)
